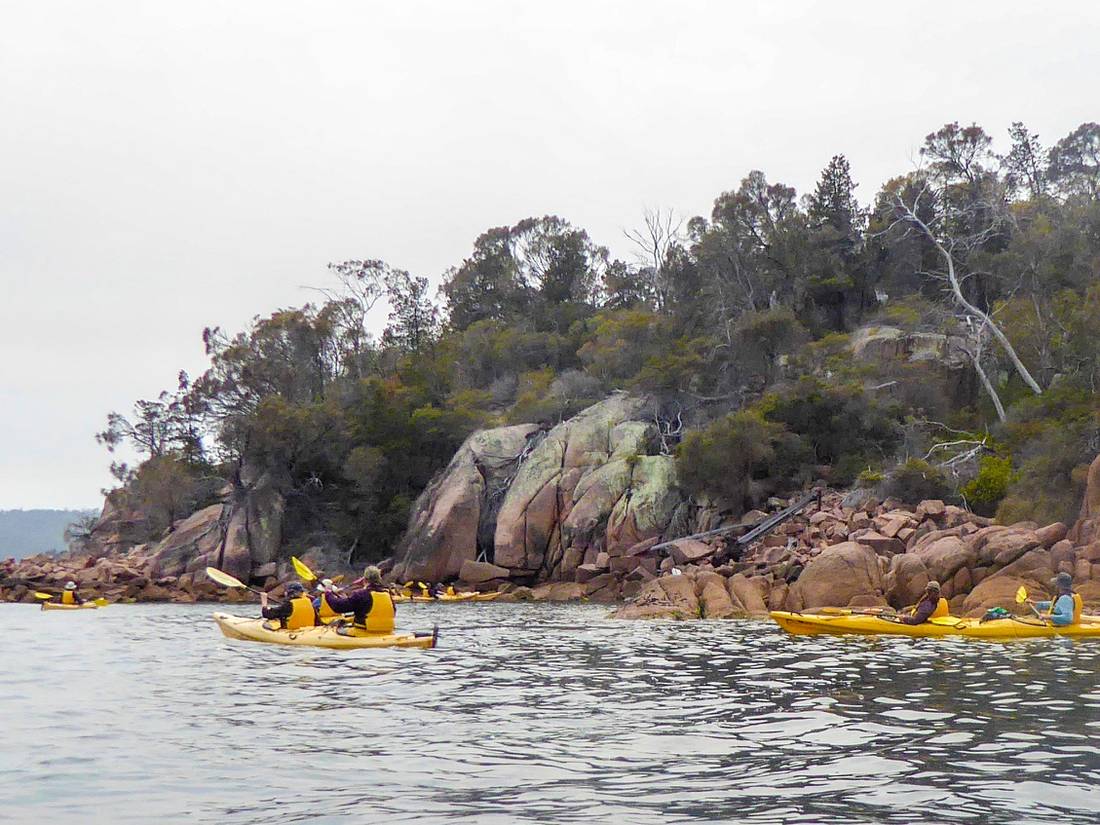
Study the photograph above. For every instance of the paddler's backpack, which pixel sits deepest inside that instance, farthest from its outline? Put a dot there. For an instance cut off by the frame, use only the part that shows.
(995, 613)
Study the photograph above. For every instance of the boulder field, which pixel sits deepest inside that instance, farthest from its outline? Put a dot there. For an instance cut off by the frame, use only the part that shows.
(873, 555)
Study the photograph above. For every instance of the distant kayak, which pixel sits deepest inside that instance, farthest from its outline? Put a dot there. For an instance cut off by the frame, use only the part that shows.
(1017, 627)
(457, 597)
(337, 638)
(58, 606)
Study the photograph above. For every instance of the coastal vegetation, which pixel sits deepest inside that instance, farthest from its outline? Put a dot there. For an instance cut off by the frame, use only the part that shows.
(744, 326)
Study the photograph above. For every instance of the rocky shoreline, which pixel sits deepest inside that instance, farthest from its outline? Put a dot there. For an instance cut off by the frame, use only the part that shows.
(850, 551)
(590, 509)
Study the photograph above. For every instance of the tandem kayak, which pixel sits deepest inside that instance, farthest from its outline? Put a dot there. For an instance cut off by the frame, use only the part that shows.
(337, 638)
(1016, 627)
(57, 606)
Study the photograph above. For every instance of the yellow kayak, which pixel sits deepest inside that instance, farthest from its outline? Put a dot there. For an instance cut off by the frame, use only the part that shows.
(457, 597)
(1017, 627)
(58, 606)
(342, 638)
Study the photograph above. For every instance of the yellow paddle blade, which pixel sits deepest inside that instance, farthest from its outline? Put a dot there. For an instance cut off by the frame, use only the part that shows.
(224, 578)
(43, 596)
(1021, 595)
(102, 602)
(301, 569)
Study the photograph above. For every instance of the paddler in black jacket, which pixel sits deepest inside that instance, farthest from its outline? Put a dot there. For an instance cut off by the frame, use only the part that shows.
(372, 604)
(293, 614)
(930, 606)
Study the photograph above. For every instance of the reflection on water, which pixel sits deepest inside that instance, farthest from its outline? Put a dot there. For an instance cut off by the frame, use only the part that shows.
(537, 713)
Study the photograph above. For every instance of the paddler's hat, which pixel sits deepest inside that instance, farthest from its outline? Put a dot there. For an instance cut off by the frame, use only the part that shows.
(373, 575)
(1063, 581)
(295, 589)
(933, 585)
(70, 585)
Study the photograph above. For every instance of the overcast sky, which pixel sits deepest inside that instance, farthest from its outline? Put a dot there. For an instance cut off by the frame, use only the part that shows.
(166, 166)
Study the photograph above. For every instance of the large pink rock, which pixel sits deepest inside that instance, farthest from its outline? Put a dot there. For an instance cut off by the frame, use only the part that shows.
(743, 591)
(1051, 534)
(1087, 528)
(883, 545)
(559, 592)
(838, 575)
(931, 508)
(943, 557)
(714, 599)
(906, 580)
(196, 540)
(1032, 570)
(444, 531)
(1005, 547)
(476, 572)
(669, 597)
(690, 551)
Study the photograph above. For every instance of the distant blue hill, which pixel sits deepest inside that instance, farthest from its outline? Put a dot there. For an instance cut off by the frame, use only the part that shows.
(27, 532)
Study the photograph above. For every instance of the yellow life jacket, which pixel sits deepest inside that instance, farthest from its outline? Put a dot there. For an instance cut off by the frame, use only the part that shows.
(301, 614)
(326, 611)
(942, 609)
(450, 590)
(67, 597)
(380, 618)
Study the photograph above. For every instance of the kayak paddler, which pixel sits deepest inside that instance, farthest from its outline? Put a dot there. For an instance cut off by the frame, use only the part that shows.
(1066, 607)
(372, 604)
(320, 603)
(930, 606)
(293, 614)
(68, 595)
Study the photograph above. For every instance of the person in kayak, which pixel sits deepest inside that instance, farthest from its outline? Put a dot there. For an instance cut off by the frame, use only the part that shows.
(931, 606)
(372, 604)
(1066, 607)
(68, 595)
(293, 614)
(320, 602)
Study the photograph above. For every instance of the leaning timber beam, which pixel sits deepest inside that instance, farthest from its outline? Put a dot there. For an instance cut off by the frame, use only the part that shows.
(761, 528)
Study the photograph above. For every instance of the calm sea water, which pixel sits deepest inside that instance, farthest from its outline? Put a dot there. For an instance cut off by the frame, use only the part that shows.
(538, 713)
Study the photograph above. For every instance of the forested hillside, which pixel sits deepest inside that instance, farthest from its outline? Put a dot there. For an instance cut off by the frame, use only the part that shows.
(27, 532)
(741, 324)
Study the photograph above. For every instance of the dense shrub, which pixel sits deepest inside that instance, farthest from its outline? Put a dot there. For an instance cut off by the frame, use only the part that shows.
(984, 492)
(723, 459)
(914, 481)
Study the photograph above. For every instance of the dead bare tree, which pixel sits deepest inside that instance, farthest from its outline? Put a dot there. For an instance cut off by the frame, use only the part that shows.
(654, 241)
(946, 246)
(974, 350)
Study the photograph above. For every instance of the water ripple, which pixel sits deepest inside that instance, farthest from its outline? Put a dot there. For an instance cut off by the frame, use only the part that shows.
(539, 713)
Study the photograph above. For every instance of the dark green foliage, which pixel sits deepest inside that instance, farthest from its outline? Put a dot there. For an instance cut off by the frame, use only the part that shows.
(838, 426)
(721, 460)
(1053, 438)
(984, 492)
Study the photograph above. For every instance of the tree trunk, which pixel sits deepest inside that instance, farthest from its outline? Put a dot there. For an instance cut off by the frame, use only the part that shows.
(1021, 370)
